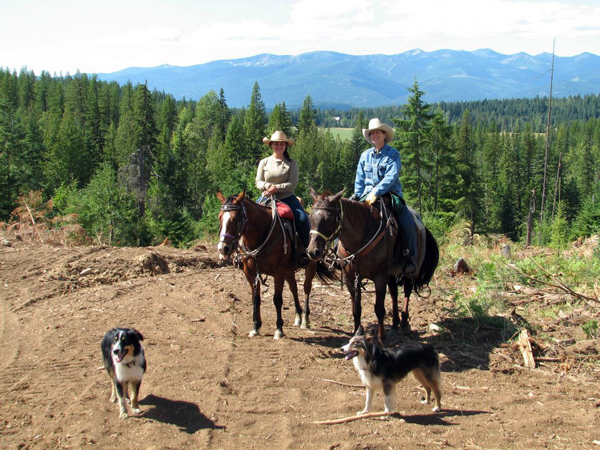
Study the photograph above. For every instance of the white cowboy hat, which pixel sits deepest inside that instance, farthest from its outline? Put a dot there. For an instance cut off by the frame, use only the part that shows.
(278, 136)
(375, 124)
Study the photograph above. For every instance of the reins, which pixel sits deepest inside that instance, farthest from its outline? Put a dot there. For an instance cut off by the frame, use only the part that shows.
(365, 249)
(242, 227)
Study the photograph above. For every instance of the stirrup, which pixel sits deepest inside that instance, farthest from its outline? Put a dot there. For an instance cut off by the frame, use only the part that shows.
(409, 269)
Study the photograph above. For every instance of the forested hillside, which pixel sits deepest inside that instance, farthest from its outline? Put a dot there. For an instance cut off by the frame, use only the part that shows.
(136, 166)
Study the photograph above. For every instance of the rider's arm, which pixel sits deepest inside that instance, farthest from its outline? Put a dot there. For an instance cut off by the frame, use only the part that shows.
(359, 180)
(261, 183)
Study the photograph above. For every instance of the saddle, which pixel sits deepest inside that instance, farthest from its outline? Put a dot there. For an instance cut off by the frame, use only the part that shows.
(393, 204)
(289, 225)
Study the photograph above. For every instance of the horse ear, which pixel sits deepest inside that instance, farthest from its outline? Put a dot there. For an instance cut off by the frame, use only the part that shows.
(337, 196)
(240, 197)
(221, 197)
(313, 194)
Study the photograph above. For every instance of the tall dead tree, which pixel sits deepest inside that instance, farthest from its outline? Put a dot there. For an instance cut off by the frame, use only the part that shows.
(547, 146)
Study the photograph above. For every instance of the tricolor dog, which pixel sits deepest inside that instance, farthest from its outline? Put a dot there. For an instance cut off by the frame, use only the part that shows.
(383, 368)
(125, 363)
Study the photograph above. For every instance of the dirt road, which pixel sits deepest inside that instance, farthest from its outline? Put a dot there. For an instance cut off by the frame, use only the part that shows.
(210, 386)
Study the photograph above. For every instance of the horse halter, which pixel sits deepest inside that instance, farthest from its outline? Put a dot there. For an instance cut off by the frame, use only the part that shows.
(339, 218)
(241, 224)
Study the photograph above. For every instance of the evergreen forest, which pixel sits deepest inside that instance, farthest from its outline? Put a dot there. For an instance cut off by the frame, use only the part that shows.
(136, 166)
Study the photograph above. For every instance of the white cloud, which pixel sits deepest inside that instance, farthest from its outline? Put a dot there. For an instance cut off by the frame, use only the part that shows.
(86, 35)
(142, 36)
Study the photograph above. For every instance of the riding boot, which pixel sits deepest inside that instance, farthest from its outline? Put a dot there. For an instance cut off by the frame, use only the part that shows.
(302, 256)
(408, 265)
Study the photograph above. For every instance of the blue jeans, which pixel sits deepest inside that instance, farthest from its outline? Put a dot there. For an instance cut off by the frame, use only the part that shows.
(406, 221)
(300, 217)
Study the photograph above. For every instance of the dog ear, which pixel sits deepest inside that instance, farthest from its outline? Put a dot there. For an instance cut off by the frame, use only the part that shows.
(360, 331)
(372, 336)
(138, 334)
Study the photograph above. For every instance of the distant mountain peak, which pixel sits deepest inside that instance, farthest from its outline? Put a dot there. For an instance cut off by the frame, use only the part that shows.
(339, 79)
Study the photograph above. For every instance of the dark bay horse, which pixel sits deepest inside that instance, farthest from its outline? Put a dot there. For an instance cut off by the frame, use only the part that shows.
(366, 244)
(265, 248)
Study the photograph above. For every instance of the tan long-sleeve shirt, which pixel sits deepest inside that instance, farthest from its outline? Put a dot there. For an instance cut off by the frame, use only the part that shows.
(282, 174)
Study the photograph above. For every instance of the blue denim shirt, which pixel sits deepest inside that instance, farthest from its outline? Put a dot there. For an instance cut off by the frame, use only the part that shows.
(378, 172)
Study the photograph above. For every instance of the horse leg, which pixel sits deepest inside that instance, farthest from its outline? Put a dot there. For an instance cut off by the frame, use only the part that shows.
(380, 290)
(251, 276)
(393, 289)
(291, 281)
(408, 287)
(256, 311)
(278, 302)
(350, 280)
(309, 275)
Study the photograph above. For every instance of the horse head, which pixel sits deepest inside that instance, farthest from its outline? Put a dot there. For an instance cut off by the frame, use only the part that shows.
(232, 220)
(325, 222)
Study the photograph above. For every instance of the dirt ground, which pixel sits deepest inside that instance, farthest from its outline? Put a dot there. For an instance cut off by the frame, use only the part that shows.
(210, 386)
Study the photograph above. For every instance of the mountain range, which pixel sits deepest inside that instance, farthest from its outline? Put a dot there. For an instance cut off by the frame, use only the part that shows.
(343, 81)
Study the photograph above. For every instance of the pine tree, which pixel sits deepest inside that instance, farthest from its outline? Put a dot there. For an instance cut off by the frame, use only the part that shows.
(255, 126)
(308, 116)
(280, 120)
(414, 145)
(350, 154)
(468, 186)
(11, 146)
(441, 189)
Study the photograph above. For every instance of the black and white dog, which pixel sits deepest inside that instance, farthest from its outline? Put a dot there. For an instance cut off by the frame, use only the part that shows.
(383, 368)
(125, 363)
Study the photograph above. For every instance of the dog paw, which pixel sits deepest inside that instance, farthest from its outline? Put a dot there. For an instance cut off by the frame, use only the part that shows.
(123, 415)
(364, 411)
(137, 410)
(436, 409)
(424, 401)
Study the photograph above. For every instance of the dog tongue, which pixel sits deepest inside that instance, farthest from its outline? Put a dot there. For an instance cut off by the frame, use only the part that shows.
(351, 355)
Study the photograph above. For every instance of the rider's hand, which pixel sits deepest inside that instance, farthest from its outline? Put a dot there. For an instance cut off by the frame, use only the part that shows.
(270, 191)
(371, 198)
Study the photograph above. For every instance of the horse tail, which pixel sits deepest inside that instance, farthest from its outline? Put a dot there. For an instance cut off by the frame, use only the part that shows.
(430, 262)
(324, 273)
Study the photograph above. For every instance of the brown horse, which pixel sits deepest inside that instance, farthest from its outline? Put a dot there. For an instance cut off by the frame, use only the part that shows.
(367, 239)
(265, 248)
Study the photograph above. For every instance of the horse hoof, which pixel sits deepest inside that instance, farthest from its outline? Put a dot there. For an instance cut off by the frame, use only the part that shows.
(278, 334)
(305, 324)
(253, 333)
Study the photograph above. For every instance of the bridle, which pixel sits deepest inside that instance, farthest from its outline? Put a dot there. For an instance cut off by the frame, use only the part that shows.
(339, 218)
(365, 249)
(241, 225)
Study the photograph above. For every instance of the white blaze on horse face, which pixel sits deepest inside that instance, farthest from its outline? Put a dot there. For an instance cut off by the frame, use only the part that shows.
(224, 222)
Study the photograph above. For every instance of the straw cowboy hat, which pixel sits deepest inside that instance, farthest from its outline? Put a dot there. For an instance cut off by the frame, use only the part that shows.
(375, 124)
(278, 136)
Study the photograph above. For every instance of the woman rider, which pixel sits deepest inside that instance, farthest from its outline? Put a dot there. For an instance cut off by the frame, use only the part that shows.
(278, 175)
(377, 173)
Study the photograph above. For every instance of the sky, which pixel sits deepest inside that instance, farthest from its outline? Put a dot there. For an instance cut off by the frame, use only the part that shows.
(102, 36)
